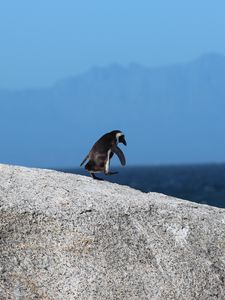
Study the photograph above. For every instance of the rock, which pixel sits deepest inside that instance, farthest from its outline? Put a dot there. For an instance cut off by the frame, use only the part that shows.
(67, 236)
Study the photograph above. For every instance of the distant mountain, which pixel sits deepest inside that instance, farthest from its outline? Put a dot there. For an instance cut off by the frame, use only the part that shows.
(169, 114)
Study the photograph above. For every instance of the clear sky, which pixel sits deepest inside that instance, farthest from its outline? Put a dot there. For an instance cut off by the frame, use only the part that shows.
(46, 40)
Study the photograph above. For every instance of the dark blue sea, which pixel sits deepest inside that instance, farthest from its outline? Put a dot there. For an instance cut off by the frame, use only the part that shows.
(197, 183)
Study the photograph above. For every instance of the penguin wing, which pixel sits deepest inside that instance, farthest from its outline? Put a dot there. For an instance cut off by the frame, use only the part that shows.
(120, 154)
(84, 160)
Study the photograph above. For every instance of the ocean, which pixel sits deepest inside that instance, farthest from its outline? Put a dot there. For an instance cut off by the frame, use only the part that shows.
(198, 183)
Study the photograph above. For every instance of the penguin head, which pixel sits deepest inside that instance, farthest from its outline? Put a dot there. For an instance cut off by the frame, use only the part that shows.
(120, 137)
(122, 140)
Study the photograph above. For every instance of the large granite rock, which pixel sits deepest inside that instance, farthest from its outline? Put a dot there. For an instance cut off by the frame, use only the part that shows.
(66, 236)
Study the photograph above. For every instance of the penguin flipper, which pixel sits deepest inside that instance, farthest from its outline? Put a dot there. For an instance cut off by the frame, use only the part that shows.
(120, 154)
(84, 160)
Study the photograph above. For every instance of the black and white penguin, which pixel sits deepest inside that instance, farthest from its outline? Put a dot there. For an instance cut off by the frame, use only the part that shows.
(102, 151)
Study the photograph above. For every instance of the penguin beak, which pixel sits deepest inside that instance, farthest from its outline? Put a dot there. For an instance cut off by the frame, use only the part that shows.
(122, 140)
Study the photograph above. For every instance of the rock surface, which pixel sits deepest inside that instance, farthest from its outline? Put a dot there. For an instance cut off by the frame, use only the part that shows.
(66, 236)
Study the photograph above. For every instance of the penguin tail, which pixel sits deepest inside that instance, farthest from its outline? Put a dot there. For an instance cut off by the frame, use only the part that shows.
(84, 160)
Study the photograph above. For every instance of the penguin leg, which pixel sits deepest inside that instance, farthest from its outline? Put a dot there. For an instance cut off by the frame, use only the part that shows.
(95, 177)
(111, 173)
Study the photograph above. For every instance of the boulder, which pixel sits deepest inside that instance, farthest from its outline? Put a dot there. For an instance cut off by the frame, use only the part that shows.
(66, 236)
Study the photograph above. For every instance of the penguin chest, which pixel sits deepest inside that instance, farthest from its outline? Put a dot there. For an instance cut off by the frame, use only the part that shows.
(107, 161)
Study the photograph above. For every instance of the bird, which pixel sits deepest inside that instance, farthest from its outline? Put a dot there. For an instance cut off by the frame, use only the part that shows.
(102, 151)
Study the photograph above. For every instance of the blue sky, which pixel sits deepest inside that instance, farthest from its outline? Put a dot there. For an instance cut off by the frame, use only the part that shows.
(44, 41)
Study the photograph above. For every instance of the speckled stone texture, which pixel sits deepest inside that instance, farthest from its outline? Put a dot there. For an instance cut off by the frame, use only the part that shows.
(66, 236)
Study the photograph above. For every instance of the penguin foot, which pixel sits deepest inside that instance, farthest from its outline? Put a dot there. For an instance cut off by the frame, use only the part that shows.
(111, 173)
(95, 177)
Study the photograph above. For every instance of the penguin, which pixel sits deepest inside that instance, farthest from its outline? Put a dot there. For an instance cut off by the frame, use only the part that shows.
(102, 151)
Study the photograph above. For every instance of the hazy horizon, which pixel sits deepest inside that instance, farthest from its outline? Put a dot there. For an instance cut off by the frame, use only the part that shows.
(169, 115)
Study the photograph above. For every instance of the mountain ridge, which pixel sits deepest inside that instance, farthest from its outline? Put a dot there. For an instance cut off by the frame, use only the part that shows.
(210, 56)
